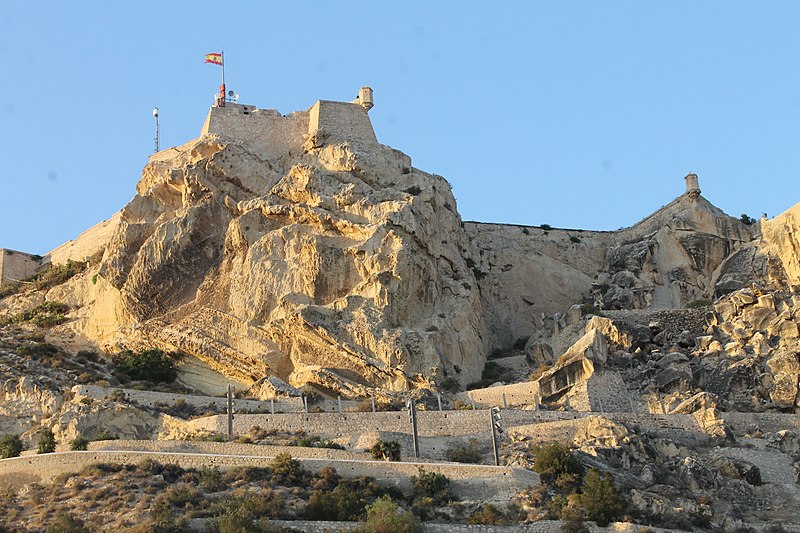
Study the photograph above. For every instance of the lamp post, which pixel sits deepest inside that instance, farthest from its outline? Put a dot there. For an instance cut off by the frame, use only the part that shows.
(155, 116)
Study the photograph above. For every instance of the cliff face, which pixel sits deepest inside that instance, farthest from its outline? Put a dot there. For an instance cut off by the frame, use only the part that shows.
(528, 274)
(341, 265)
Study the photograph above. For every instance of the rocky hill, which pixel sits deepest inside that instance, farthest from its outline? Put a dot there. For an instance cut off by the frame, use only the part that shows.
(295, 254)
(325, 258)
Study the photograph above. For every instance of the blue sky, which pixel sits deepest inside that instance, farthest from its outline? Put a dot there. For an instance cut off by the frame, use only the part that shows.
(574, 114)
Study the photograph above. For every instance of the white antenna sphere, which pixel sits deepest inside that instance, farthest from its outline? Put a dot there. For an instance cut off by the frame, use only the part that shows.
(155, 111)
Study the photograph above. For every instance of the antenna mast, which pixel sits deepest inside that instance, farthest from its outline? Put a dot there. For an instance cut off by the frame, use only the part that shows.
(155, 116)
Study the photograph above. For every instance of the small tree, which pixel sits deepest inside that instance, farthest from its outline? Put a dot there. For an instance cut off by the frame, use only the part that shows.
(10, 446)
(150, 365)
(431, 485)
(385, 516)
(79, 444)
(554, 460)
(46, 442)
(385, 450)
(600, 499)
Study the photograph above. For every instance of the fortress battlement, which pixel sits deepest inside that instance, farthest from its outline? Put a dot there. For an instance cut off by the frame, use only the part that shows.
(277, 134)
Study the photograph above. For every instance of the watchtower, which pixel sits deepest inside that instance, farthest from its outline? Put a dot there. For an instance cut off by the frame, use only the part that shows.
(692, 186)
(364, 98)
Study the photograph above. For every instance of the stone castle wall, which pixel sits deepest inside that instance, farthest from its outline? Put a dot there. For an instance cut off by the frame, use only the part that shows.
(87, 246)
(17, 266)
(340, 121)
(274, 134)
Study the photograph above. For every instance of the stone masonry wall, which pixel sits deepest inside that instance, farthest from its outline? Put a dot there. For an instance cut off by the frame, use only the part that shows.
(87, 246)
(429, 423)
(468, 481)
(266, 129)
(541, 526)
(151, 398)
(341, 121)
(17, 266)
(502, 395)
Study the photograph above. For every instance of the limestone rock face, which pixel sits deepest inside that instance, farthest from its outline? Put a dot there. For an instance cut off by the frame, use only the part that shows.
(668, 259)
(24, 404)
(341, 265)
(781, 237)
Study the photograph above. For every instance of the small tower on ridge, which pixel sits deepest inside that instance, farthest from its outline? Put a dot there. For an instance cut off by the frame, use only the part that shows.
(692, 186)
(364, 98)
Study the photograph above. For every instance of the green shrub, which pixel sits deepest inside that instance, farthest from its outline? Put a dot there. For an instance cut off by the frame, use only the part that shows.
(287, 470)
(553, 460)
(339, 499)
(148, 365)
(46, 314)
(244, 511)
(431, 485)
(469, 452)
(38, 349)
(7, 289)
(588, 309)
(493, 371)
(745, 219)
(10, 446)
(488, 514)
(53, 275)
(104, 434)
(600, 499)
(211, 479)
(700, 302)
(79, 443)
(450, 384)
(66, 523)
(385, 450)
(182, 493)
(574, 239)
(385, 516)
(46, 442)
(315, 441)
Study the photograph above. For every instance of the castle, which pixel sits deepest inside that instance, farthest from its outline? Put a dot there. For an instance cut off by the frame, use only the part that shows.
(277, 134)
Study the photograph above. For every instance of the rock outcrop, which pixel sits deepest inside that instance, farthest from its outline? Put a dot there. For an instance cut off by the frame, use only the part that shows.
(339, 265)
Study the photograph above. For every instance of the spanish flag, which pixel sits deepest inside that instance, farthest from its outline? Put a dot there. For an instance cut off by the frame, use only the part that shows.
(214, 58)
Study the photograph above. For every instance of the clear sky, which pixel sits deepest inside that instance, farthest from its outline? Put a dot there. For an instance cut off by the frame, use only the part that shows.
(580, 114)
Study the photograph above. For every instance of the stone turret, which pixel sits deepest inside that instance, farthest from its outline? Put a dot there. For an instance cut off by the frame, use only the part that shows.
(364, 98)
(692, 185)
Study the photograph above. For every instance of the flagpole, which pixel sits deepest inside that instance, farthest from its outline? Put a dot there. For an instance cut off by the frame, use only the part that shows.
(222, 56)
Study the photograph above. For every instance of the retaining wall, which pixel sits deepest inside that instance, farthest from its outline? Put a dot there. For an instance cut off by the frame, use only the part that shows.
(151, 398)
(489, 483)
(542, 526)
(223, 448)
(502, 395)
(429, 423)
